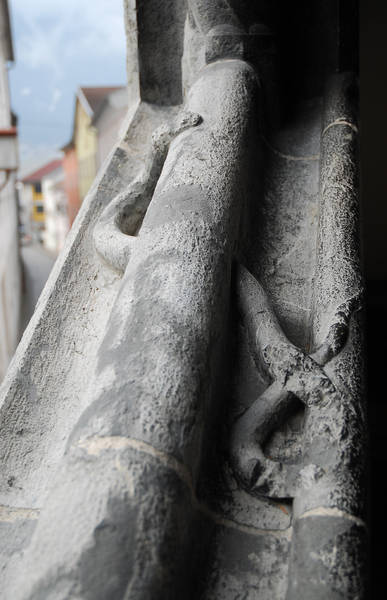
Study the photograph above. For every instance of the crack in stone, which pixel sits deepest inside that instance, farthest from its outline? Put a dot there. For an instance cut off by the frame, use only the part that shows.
(310, 157)
(10, 514)
(303, 308)
(323, 511)
(340, 122)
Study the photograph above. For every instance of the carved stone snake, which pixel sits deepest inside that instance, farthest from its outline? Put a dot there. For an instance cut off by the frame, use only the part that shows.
(293, 373)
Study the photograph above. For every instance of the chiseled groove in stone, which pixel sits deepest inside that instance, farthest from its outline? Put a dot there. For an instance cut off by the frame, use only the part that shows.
(324, 511)
(309, 157)
(219, 520)
(95, 445)
(10, 514)
(340, 122)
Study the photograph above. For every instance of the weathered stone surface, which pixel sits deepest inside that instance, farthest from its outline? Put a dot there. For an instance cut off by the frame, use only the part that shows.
(316, 571)
(198, 431)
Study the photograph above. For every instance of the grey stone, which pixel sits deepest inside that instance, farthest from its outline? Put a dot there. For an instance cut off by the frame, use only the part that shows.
(184, 416)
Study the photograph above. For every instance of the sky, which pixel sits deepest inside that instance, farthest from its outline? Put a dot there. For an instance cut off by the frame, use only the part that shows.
(60, 45)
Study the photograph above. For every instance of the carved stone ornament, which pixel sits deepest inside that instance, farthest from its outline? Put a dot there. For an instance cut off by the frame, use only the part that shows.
(184, 415)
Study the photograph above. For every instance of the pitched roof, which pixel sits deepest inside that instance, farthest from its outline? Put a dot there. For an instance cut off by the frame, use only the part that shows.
(94, 96)
(43, 171)
(115, 100)
(92, 99)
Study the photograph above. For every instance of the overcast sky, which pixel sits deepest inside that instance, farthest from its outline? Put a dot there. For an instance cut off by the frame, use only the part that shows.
(59, 45)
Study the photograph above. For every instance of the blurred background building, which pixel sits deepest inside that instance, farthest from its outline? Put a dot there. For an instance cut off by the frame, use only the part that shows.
(107, 120)
(10, 271)
(51, 196)
(97, 118)
(38, 207)
(33, 201)
(71, 185)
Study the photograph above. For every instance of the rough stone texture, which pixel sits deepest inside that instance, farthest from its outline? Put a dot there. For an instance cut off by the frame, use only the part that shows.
(187, 238)
(316, 571)
(198, 429)
(45, 389)
(325, 469)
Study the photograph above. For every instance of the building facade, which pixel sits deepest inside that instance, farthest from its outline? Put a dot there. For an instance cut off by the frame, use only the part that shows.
(108, 120)
(10, 270)
(85, 136)
(98, 115)
(71, 181)
(85, 141)
(32, 199)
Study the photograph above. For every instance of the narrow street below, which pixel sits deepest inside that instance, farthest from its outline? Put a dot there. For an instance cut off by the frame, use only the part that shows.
(37, 264)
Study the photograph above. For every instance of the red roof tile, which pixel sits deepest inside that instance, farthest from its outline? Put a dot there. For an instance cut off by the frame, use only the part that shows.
(43, 171)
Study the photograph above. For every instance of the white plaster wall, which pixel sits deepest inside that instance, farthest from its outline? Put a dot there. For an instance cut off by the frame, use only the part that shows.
(10, 280)
(5, 113)
(10, 283)
(108, 135)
